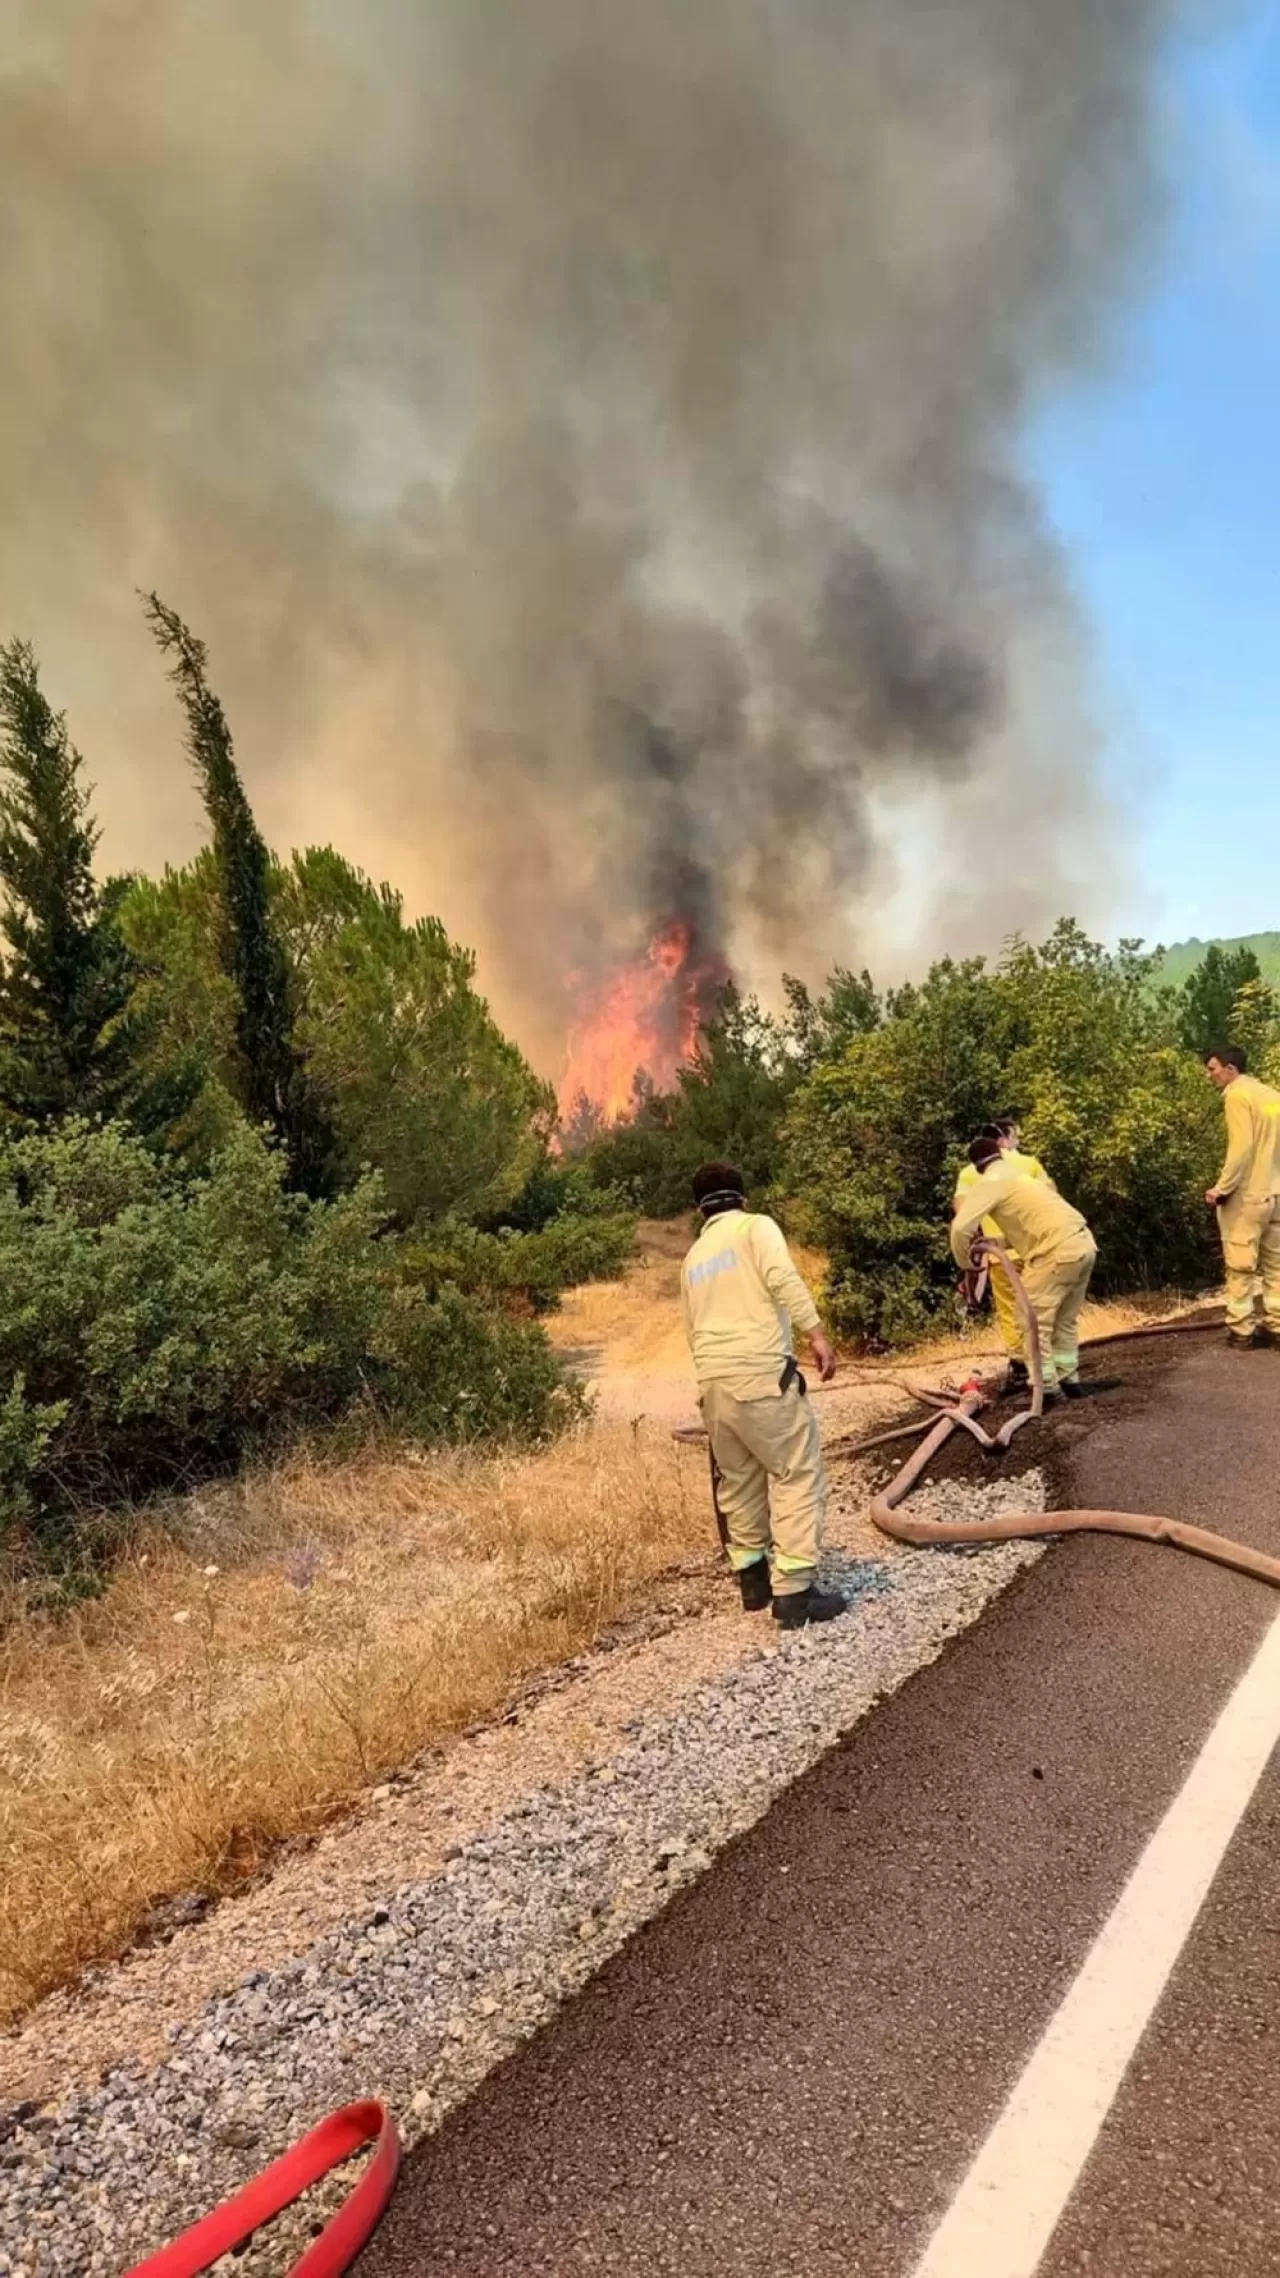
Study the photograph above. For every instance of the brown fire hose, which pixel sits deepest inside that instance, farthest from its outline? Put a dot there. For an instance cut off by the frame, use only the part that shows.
(1018, 1526)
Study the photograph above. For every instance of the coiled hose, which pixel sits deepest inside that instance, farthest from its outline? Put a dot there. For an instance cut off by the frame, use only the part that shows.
(1018, 1526)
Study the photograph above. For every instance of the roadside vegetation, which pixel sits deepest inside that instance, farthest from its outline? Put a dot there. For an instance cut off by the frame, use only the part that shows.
(851, 1111)
(293, 1479)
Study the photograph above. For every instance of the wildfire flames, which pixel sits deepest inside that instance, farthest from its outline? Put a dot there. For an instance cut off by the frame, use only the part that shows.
(644, 1018)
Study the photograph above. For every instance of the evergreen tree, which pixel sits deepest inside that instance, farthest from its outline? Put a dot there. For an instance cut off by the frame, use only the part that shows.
(71, 1038)
(583, 1123)
(733, 1094)
(276, 1089)
(819, 1028)
(1255, 1023)
(1209, 996)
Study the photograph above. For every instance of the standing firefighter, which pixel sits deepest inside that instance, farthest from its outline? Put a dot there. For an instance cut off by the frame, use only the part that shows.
(1005, 1130)
(1053, 1241)
(1247, 1198)
(740, 1293)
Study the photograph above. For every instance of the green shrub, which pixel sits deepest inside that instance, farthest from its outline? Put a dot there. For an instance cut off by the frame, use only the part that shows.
(1072, 1037)
(156, 1327)
(560, 1186)
(454, 1370)
(643, 1158)
(25, 1433)
(529, 1271)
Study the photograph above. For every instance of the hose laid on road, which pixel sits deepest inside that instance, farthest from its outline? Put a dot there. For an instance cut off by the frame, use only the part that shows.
(1018, 1526)
(335, 2140)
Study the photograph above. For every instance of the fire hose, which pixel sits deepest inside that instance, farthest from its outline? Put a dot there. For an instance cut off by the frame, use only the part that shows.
(1017, 1526)
(335, 2141)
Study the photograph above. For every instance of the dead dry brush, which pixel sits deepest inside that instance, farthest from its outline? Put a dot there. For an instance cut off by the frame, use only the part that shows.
(266, 1649)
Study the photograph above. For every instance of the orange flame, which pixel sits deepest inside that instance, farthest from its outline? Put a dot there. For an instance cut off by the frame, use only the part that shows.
(645, 1018)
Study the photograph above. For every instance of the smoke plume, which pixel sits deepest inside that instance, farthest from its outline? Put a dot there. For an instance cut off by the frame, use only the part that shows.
(586, 436)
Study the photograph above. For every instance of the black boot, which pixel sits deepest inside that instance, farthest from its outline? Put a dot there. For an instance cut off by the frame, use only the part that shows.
(1018, 1378)
(1245, 1344)
(1071, 1387)
(755, 1585)
(801, 1607)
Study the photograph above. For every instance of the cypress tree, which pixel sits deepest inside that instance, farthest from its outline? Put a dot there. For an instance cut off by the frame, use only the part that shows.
(276, 1090)
(71, 1040)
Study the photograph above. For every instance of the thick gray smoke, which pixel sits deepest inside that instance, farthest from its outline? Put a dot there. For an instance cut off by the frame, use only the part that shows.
(585, 435)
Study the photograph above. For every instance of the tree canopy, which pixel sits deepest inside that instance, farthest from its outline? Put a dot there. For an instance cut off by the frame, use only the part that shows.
(407, 1064)
(1208, 996)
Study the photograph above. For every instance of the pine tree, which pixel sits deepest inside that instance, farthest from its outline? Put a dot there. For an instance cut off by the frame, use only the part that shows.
(276, 1090)
(1209, 996)
(71, 1038)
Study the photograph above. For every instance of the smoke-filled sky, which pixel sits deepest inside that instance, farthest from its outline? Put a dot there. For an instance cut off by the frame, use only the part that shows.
(586, 436)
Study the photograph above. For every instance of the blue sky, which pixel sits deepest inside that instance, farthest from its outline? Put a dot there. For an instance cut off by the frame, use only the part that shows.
(1163, 479)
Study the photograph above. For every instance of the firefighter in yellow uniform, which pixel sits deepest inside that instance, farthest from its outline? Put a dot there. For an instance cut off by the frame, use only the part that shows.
(1053, 1242)
(1008, 1319)
(740, 1295)
(1246, 1195)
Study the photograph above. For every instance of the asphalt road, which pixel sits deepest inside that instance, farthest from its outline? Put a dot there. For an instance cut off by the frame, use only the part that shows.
(792, 2069)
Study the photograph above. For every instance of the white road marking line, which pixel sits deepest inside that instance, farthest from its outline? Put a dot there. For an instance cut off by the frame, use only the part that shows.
(1010, 2202)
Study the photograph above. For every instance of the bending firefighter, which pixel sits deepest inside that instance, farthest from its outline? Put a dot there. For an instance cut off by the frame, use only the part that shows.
(1005, 1130)
(1053, 1242)
(739, 1294)
(1247, 1198)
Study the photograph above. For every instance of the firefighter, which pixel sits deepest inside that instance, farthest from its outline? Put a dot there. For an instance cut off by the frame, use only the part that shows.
(1005, 1129)
(1053, 1241)
(1246, 1196)
(740, 1295)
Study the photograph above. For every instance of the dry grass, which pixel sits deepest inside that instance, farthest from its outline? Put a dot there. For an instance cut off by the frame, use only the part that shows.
(633, 1323)
(309, 1630)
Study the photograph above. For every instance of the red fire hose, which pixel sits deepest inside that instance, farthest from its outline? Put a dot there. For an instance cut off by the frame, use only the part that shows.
(341, 2240)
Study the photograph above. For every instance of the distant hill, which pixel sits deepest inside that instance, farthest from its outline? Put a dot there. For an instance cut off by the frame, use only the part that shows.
(1184, 956)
